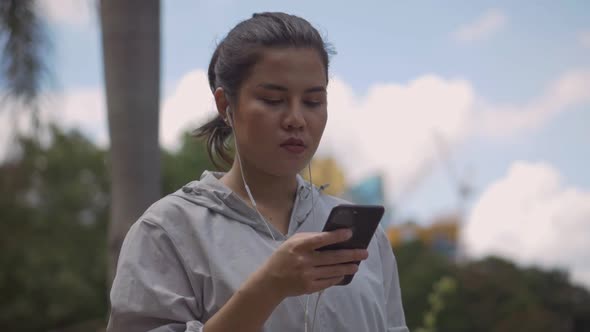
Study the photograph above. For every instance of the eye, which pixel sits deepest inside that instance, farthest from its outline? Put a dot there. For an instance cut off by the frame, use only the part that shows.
(313, 103)
(271, 102)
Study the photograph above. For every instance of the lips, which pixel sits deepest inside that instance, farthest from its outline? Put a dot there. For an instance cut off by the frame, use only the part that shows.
(293, 145)
(293, 141)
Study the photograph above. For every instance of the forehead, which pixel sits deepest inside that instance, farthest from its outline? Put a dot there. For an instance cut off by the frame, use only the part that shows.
(293, 68)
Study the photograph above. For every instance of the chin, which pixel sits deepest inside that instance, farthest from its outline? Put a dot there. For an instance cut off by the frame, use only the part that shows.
(288, 169)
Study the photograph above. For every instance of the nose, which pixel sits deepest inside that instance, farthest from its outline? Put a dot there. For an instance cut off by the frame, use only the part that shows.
(294, 118)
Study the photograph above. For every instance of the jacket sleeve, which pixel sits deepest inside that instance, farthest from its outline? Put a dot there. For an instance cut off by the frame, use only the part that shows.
(396, 321)
(151, 290)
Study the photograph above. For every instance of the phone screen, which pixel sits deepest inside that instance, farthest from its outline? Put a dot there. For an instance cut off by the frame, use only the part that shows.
(363, 220)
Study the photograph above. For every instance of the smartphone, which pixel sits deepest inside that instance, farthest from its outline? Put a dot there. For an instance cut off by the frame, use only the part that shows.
(363, 220)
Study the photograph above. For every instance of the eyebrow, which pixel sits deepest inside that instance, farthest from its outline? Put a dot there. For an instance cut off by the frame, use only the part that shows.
(270, 86)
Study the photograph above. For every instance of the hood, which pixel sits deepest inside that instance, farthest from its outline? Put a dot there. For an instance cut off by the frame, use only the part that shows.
(211, 193)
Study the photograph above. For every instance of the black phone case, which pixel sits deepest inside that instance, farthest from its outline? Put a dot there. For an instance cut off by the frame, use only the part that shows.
(362, 219)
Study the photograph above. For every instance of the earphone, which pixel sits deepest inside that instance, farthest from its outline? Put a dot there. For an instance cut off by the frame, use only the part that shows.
(230, 122)
(228, 119)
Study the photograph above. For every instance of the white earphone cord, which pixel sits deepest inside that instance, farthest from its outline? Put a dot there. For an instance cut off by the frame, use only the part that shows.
(317, 302)
(306, 323)
(231, 123)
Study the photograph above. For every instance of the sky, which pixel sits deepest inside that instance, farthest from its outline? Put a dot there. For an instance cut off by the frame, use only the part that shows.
(426, 94)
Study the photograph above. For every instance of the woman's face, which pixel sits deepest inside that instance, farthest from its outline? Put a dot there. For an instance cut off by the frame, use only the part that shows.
(281, 111)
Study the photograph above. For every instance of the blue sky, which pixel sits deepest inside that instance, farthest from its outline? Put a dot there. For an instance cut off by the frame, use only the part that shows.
(481, 58)
(387, 41)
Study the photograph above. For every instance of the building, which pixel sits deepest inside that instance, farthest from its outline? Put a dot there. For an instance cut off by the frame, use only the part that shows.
(442, 235)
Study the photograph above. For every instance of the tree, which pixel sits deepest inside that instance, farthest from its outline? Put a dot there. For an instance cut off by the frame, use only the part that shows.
(131, 54)
(496, 295)
(53, 213)
(131, 49)
(184, 165)
(419, 269)
(491, 295)
(22, 67)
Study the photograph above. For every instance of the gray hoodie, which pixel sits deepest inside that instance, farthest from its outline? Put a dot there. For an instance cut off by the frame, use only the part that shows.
(190, 251)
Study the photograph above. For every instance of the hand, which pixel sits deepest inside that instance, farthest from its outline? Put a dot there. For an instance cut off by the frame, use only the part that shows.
(296, 268)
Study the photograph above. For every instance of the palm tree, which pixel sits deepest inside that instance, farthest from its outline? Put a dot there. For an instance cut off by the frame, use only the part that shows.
(22, 67)
(131, 53)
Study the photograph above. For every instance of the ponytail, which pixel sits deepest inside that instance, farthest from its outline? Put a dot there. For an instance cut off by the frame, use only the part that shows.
(215, 131)
(217, 134)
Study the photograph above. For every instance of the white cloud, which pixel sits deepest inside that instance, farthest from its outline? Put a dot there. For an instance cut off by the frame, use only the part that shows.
(190, 104)
(584, 39)
(569, 90)
(12, 120)
(490, 22)
(531, 216)
(69, 12)
(392, 129)
(83, 109)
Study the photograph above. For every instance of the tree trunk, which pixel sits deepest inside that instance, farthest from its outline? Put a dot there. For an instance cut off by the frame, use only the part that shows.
(131, 53)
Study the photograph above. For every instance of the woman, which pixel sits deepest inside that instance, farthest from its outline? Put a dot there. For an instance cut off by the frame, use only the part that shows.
(236, 251)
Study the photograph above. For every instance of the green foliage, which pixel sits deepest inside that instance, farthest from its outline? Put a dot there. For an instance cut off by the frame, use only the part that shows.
(491, 294)
(54, 208)
(186, 164)
(443, 287)
(419, 269)
(25, 47)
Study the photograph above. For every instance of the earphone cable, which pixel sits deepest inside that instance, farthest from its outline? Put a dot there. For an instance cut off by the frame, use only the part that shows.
(266, 223)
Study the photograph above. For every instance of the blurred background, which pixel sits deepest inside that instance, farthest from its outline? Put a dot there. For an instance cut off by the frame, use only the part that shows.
(470, 123)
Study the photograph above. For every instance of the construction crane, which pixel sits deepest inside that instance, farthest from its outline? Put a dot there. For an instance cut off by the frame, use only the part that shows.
(462, 185)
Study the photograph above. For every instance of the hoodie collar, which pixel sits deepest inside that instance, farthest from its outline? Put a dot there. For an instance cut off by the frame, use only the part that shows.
(210, 192)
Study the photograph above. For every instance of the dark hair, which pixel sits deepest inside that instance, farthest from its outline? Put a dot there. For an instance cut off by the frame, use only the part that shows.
(239, 51)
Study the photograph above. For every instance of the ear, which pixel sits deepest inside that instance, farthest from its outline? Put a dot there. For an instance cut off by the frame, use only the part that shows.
(221, 102)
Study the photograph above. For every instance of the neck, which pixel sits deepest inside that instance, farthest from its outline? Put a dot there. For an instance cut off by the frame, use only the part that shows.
(268, 190)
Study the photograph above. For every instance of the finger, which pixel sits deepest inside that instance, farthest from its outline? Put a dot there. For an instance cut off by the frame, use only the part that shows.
(322, 284)
(334, 271)
(331, 257)
(326, 238)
